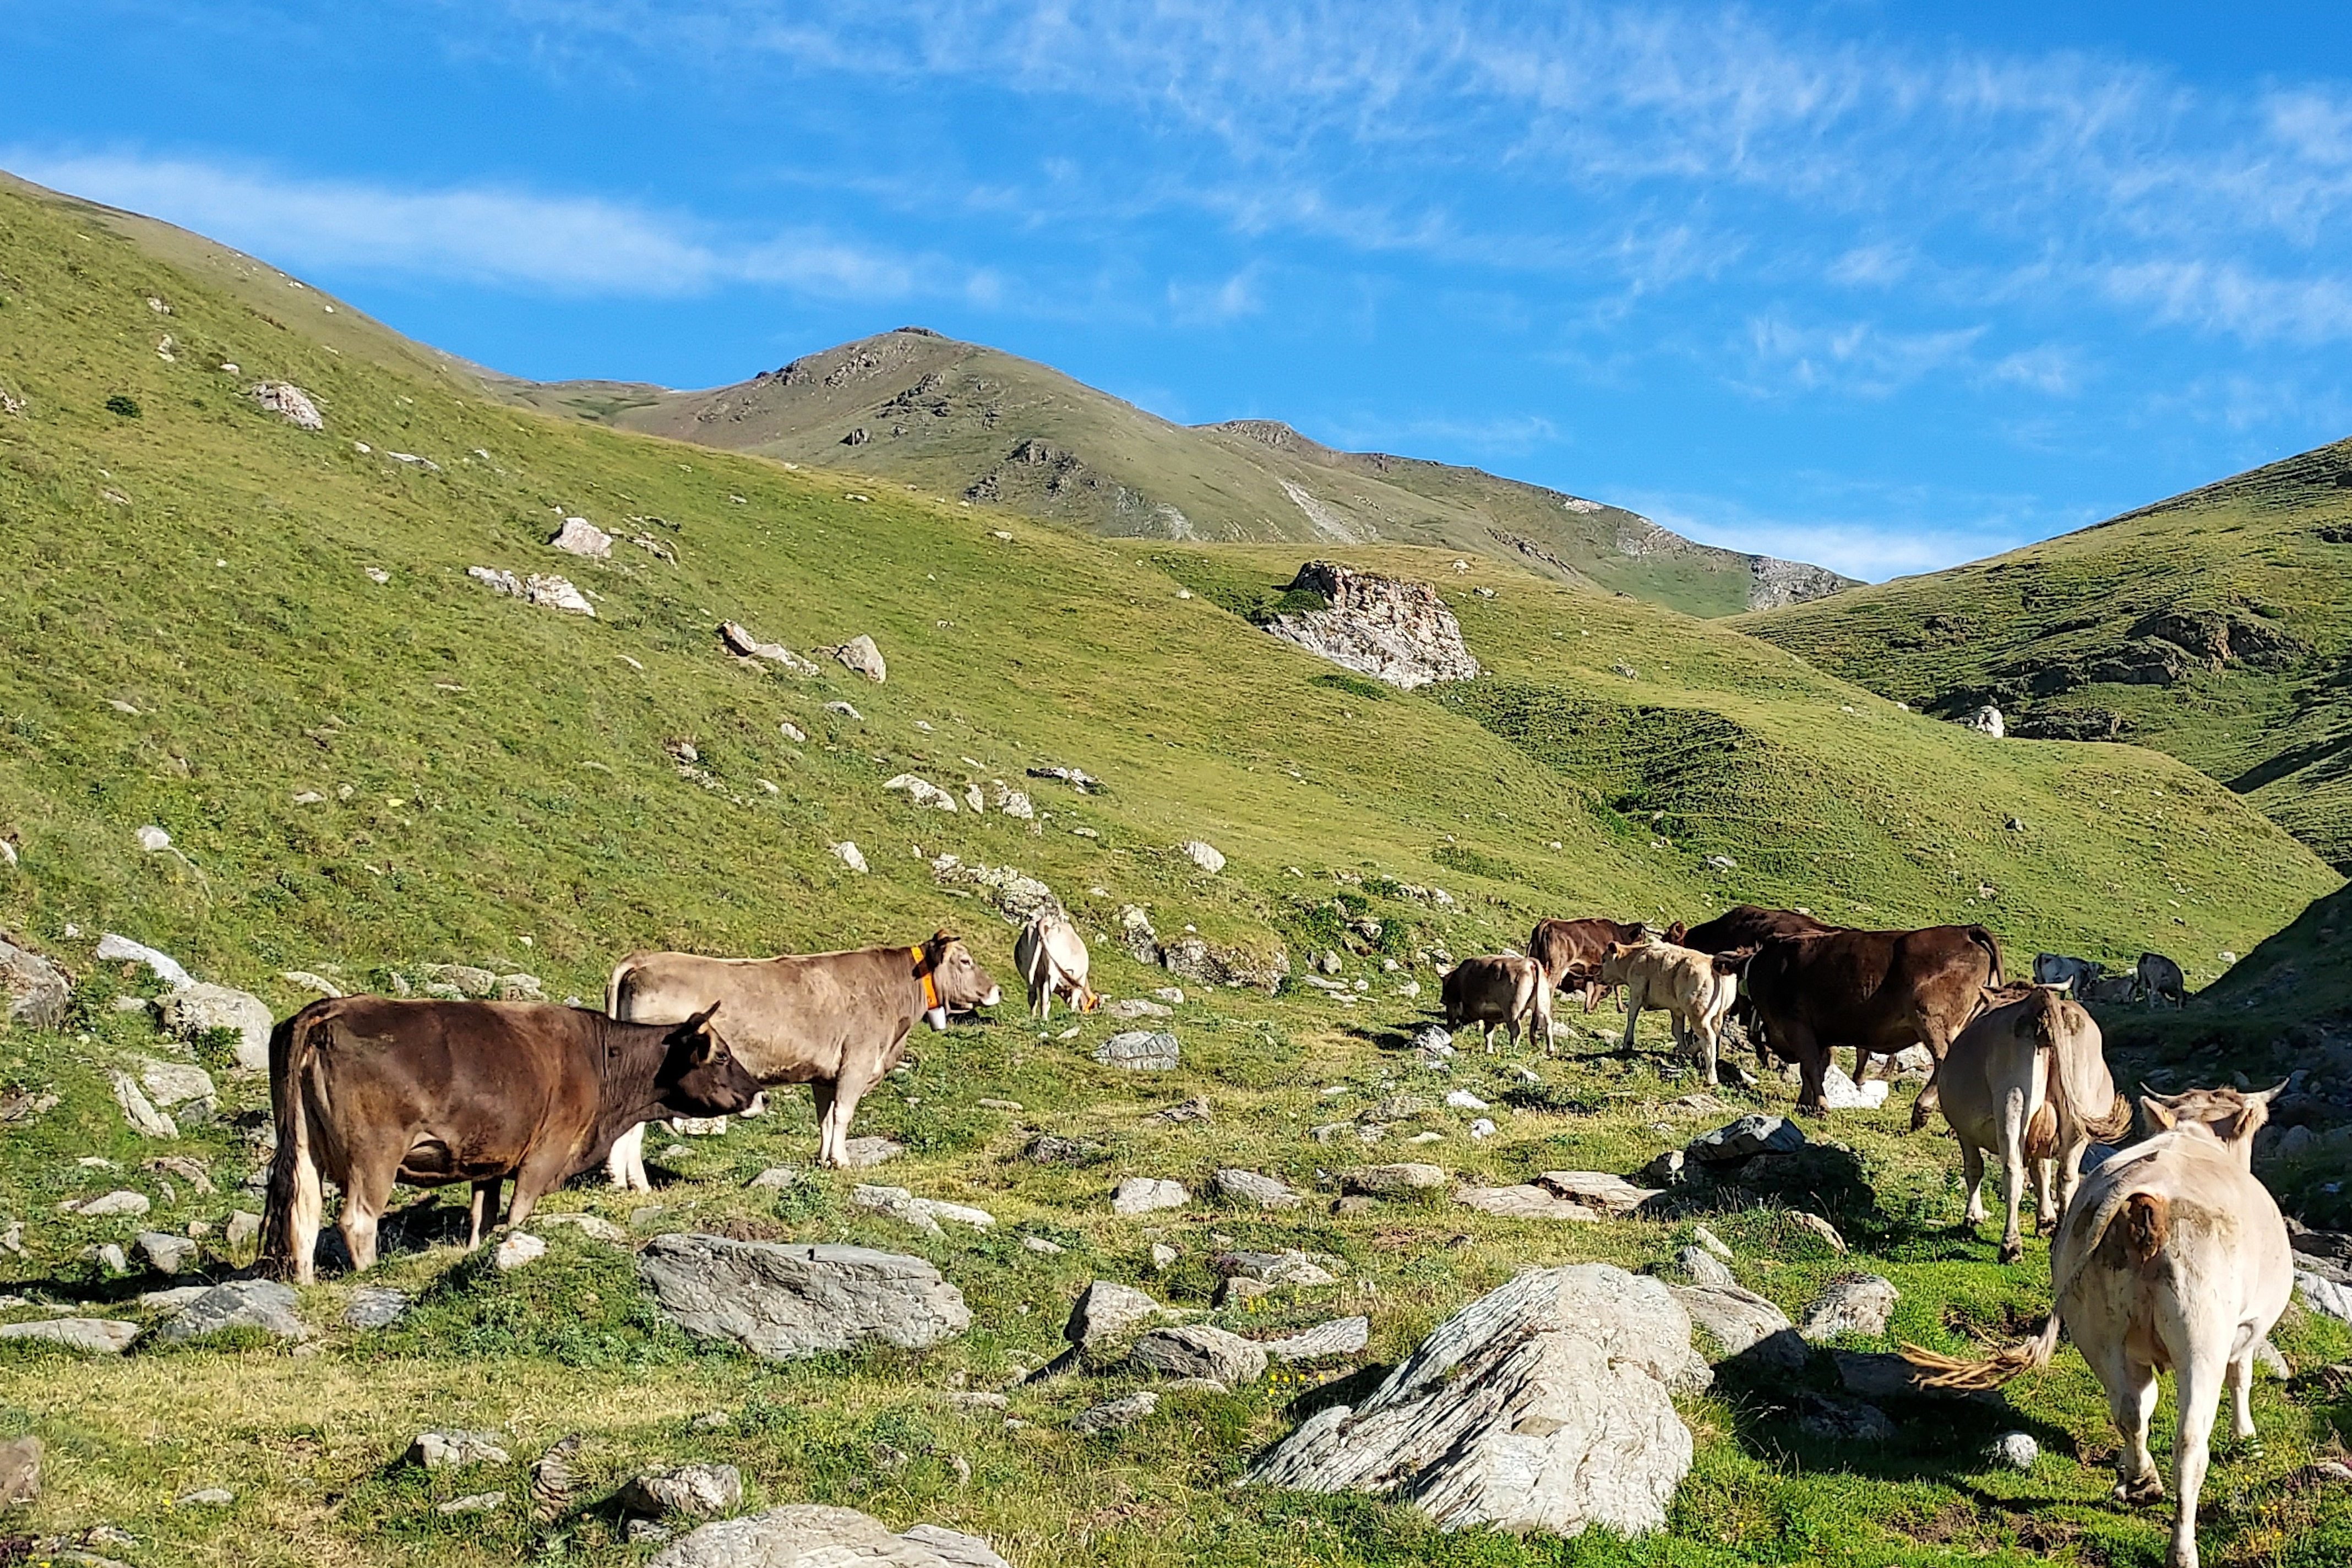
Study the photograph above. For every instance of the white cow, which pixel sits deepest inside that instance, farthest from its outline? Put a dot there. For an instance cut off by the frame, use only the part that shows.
(2074, 973)
(1689, 985)
(2161, 979)
(2172, 1256)
(1053, 960)
(2027, 1082)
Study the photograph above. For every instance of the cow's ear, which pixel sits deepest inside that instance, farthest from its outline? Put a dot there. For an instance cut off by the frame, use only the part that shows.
(707, 1043)
(2159, 1114)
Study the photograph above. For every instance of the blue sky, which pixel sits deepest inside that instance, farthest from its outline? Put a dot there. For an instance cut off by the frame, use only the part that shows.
(1883, 287)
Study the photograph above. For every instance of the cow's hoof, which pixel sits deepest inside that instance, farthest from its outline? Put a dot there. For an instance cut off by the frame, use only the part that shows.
(2141, 1493)
(2011, 1251)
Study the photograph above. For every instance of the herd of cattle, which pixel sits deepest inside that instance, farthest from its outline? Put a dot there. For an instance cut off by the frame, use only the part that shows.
(2168, 1254)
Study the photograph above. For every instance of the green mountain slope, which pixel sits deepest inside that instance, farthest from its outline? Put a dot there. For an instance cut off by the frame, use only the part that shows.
(2214, 625)
(968, 422)
(267, 642)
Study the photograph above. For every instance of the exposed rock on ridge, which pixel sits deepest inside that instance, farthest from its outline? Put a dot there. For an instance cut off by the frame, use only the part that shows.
(1385, 628)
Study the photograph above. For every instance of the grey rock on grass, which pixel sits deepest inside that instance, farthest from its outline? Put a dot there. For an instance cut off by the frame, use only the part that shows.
(1751, 1329)
(33, 993)
(263, 1304)
(1197, 1350)
(1140, 1050)
(684, 1491)
(194, 1010)
(92, 1336)
(782, 1300)
(1250, 1188)
(375, 1307)
(1850, 1304)
(1147, 1194)
(447, 1448)
(1116, 1415)
(806, 1535)
(1108, 1311)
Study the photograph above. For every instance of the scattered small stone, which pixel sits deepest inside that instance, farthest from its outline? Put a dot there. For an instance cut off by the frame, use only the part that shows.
(1463, 1100)
(1108, 1311)
(1194, 1110)
(1852, 1304)
(1482, 1129)
(858, 1154)
(108, 1205)
(1145, 1194)
(1742, 1140)
(596, 1227)
(1197, 1350)
(1709, 1241)
(1820, 1227)
(1040, 1244)
(519, 1249)
(168, 1254)
(577, 536)
(2018, 1451)
(1163, 1257)
(846, 710)
(1139, 1050)
(1250, 1187)
(684, 1491)
(1289, 1267)
(1205, 855)
(473, 1502)
(860, 654)
(1703, 1266)
(206, 1497)
(92, 1336)
(999, 1104)
(1116, 1414)
(375, 1307)
(775, 1178)
(442, 1449)
(849, 855)
(1381, 1181)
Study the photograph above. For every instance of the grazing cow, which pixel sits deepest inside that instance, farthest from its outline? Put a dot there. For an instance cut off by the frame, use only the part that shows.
(1571, 952)
(2111, 989)
(2027, 1082)
(2172, 1256)
(1878, 990)
(835, 1021)
(2158, 976)
(1694, 988)
(2076, 974)
(1053, 960)
(1504, 989)
(367, 1091)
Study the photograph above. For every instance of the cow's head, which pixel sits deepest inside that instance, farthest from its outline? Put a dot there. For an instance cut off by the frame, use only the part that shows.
(962, 983)
(1612, 961)
(699, 1074)
(1676, 932)
(2226, 1115)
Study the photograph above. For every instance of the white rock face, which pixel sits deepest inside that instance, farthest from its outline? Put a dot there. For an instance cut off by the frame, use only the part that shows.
(1389, 629)
(849, 855)
(517, 1249)
(289, 403)
(922, 792)
(1205, 855)
(552, 593)
(1987, 720)
(577, 536)
(1546, 1404)
(196, 1009)
(154, 839)
(114, 949)
(860, 655)
(1840, 1092)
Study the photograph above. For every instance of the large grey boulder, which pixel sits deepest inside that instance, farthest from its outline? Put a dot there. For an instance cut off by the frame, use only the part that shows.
(263, 1304)
(810, 1535)
(1250, 1188)
(1545, 1404)
(1140, 1050)
(168, 1253)
(33, 990)
(92, 1336)
(1752, 1330)
(684, 1491)
(1745, 1138)
(175, 1083)
(782, 1301)
(1386, 628)
(1196, 1349)
(1107, 1310)
(194, 1010)
(1850, 1304)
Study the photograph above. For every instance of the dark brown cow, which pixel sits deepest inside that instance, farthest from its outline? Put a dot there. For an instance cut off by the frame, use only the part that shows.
(835, 1021)
(367, 1091)
(1570, 952)
(1877, 990)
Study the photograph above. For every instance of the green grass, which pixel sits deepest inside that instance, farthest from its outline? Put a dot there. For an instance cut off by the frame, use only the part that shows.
(2044, 630)
(499, 786)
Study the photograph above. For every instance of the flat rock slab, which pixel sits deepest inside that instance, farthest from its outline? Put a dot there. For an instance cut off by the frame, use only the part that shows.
(263, 1304)
(1527, 1201)
(1251, 1188)
(860, 1153)
(1147, 1194)
(447, 1448)
(1292, 1268)
(1752, 1332)
(1344, 1336)
(809, 1535)
(1381, 1181)
(1140, 1050)
(1545, 1404)
(1612, 1195)
(1105, 1310)
(1116, 1415)
(1196, 1349)
(782, 1301)
(92, 1336)
(1850, 1304)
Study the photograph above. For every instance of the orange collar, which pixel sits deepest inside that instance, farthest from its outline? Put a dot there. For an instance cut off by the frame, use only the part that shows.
(923, 974)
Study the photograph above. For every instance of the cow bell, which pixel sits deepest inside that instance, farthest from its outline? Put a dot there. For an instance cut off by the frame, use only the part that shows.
(937, 1017)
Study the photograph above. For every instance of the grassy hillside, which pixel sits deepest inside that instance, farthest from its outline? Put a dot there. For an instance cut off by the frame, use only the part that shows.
(2212, 627)
(964, 421)
(191, 638)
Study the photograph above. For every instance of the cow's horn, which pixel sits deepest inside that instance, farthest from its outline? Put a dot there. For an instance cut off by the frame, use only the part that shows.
(2266, 1096)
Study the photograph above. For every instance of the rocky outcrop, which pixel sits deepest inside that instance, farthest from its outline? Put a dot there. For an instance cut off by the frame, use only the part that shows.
(1546, 1404)
(289, 403)
(1772, 583)
(33, 990)
(1389, 629)
(782, 1301)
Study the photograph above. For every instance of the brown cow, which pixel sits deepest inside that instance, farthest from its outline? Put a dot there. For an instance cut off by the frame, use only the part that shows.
(1570, 952)
(835, 1021)
(1878, 990)
(1503, 989)
(367, 1091)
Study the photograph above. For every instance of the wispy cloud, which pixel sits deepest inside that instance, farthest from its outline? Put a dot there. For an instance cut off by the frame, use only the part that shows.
(1866, 532)
(503, 237)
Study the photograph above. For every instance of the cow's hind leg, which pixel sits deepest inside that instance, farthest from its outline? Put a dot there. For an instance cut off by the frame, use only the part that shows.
(2012, 1173)
(365, 1192)
(2197, 1388)
(2242, 1409)
(484, 1213)
(1972, 1172)
(826, 1093)
(2131, 1401)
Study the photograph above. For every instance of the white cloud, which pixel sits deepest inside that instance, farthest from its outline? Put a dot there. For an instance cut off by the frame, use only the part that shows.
(1892, 539)
(1857, 358)
(496, 235)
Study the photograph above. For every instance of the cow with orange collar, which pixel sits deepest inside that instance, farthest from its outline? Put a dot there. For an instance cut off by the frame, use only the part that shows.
(835, 1021)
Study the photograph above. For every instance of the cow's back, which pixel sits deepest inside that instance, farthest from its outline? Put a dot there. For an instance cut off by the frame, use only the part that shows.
(2224, 1240)
(787, 1019)
(477, 1077)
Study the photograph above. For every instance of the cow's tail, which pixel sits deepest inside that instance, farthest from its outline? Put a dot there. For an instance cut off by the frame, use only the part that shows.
(2042, 1136)
(1991, 945)
(2145, 1214)
(618, 988)
(289, 1053)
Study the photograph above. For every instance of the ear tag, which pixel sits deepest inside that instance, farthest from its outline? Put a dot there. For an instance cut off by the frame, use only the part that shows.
(937, 1017)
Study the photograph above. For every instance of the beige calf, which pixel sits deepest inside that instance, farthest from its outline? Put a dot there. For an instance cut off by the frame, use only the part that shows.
(1682, 981)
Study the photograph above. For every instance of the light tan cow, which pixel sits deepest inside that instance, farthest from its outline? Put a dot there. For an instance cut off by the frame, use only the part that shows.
(835, 1021)
(1691, 986)
(1503, 988)
(1053, 960)
(2172, 1256)
(2027, 1082)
